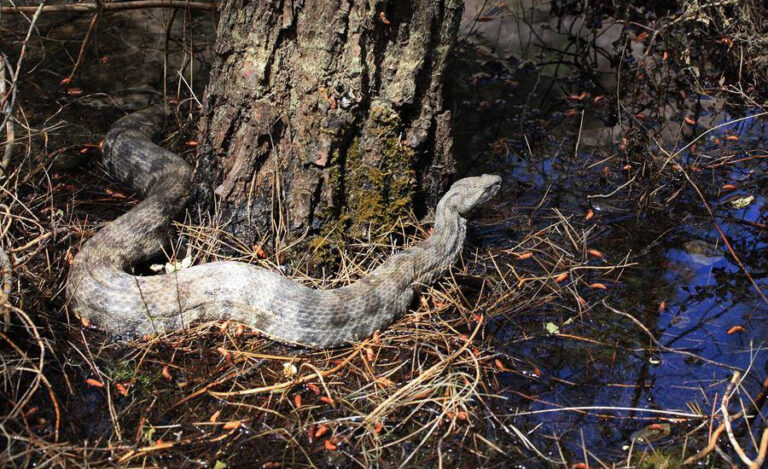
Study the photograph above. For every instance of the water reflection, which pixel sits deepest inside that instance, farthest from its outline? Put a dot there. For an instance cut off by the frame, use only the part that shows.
(604, 377)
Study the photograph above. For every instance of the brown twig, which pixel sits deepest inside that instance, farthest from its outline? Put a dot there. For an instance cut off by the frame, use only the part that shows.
(288, 384)
(715, 435)
(727, 420)
(725, 239)
(6, 270)
(135, 5)
(6, 113)
(663, 347)
(86, 41)
(9, 98)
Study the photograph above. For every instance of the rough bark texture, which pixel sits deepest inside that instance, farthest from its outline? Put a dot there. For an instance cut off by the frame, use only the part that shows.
(325, 112)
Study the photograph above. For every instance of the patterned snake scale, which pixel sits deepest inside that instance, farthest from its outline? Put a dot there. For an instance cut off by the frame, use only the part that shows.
(100, 288)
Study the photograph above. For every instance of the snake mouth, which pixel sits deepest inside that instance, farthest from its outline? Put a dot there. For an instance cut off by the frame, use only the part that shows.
(492, 188)
(495, 188)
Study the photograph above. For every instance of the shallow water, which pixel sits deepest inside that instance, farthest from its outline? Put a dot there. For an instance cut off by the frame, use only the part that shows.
(600, 378)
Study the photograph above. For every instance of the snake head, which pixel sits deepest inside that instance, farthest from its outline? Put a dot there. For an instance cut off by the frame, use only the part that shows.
(469, 193)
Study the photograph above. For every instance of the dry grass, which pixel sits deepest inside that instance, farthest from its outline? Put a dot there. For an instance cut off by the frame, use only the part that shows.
(221, 392)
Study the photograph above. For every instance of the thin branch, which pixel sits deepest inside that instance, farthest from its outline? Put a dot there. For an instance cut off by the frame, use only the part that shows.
(10, 135)
(86, 41)
(135, 5)
(6, 273)
(9, 98)
(727, 420)
(663, 347)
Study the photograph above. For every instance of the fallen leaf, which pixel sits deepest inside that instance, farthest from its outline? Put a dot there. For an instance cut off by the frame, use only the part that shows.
(624, 143)
(260, 252)
(385, 381)
(321, 430)
(121, 389)
(552, 328)
(232, 425)
(742, 202)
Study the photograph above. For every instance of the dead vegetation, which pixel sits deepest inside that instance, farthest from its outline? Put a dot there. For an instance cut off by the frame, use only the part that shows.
(219, 392)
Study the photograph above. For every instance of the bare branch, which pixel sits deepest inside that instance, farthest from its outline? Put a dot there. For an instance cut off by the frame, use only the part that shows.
(135, 5)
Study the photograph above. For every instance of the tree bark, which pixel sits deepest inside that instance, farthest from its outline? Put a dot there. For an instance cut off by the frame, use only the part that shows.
(322, 115)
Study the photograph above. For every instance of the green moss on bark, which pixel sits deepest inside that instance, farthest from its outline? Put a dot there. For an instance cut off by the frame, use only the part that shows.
(380, 179)
(375, 182)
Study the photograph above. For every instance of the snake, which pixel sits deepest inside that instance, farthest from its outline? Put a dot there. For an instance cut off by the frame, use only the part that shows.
(104, 291)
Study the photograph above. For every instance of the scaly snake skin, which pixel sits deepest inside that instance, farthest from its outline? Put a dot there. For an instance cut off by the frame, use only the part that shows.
(101, 289)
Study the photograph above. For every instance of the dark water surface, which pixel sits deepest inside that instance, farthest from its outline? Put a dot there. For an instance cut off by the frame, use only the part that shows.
(603, 378)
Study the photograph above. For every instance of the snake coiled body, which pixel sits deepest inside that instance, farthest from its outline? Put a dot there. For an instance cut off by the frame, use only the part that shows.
(102, 290)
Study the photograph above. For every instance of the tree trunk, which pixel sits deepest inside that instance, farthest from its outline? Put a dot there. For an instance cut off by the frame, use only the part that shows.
(322, 115)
